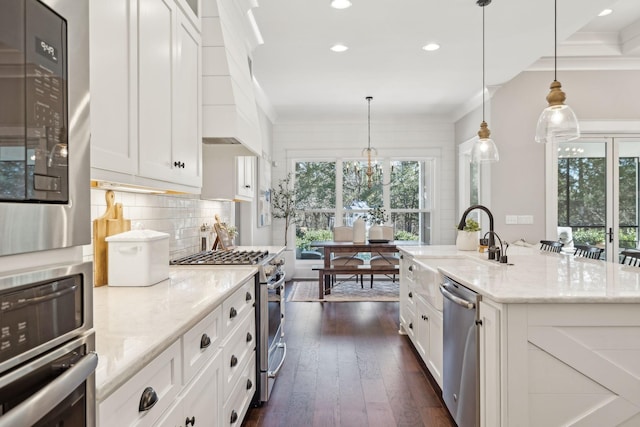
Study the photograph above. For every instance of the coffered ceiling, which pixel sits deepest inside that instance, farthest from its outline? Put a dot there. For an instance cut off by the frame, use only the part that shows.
(302, 78)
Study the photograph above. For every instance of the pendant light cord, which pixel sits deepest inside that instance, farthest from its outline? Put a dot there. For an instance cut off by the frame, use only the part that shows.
(483, 82)
(369, 124)
(555, 40)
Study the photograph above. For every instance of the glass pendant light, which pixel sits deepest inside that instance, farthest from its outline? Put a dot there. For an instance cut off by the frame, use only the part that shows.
(484, 150)
(340, 4)
(557, 122)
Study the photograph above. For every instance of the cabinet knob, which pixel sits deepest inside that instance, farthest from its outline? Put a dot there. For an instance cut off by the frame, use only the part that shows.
(249, 384)
(410, 294)
(178, 165)
(205, 341)
(411, 268)
(234, 416)
(248, 297)
(249, 337)
(190, 421)
(234, 360)
(233, 313)
(479, 322)
(148, 399)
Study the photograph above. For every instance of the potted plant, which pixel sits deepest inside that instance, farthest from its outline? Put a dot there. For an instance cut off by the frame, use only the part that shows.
(376, 217)
(469, 237)
(283, 204)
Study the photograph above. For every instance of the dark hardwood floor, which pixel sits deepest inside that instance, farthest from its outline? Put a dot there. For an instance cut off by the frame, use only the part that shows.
(348, 366)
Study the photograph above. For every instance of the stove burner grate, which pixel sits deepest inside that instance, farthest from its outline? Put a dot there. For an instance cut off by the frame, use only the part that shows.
(232, 257)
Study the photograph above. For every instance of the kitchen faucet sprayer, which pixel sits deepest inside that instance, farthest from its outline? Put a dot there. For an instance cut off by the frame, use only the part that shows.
(492, 241)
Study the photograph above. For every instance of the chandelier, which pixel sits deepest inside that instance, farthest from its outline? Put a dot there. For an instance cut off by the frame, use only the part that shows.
(370, 153)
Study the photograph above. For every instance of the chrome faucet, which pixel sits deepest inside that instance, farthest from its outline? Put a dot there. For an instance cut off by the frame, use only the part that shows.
(492, 241)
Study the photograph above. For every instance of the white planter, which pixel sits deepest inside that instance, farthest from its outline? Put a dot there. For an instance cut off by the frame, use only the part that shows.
(468, 240)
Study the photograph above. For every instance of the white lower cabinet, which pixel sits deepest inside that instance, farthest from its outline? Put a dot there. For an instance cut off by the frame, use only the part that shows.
(199, 404)
(489, 347)
(206, 378)
(419, 319)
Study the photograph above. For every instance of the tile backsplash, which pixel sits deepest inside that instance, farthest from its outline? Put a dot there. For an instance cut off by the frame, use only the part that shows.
(178, 215)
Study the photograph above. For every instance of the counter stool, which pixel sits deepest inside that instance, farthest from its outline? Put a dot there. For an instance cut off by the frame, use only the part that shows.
(630, 257)
(551, 246)
(588, 251)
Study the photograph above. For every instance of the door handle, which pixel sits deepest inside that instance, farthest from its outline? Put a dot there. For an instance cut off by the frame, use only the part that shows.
(610, 234)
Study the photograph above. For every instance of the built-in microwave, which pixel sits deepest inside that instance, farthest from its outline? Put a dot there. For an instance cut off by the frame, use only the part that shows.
(44, 125)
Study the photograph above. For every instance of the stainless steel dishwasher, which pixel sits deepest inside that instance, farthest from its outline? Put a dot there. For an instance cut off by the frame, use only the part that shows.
(460, 389)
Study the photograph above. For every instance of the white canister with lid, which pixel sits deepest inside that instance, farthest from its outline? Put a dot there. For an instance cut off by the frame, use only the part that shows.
(358, 231)
(138, 258)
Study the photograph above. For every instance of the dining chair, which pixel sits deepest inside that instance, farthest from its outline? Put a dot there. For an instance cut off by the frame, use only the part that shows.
(385, 259)
(345, 234)
(630, 257)
(588, 251)
(551, 246)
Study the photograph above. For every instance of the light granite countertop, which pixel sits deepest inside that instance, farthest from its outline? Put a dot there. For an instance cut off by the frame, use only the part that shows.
(135, 324)
(534, 276)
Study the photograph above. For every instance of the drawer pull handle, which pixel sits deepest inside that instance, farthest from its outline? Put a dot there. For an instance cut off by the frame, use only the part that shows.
(411, 325)
(148, 399)
(249, 337)
(191, 421)
(233, 313)
(410, 294)
(234, 416)
(248, 297)
(411, 268)
(234, 361)
(249, 384)
(205, 341)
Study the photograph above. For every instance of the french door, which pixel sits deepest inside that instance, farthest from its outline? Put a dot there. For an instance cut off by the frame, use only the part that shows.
(597, 181)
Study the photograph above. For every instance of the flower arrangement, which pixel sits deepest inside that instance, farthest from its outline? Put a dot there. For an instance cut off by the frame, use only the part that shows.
(377, 216)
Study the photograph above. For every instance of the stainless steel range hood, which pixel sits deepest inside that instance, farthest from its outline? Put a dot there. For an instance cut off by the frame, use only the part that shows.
(229, 111)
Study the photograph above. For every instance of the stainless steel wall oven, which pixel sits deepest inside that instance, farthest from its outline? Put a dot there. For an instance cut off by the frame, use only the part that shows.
(44, 125)
(47, 358)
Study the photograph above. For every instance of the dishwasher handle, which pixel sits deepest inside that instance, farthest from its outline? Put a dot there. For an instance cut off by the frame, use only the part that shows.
(456, 299)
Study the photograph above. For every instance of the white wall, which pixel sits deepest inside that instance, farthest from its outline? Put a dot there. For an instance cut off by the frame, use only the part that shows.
(518, 179)
(179, 215)
(409, 137)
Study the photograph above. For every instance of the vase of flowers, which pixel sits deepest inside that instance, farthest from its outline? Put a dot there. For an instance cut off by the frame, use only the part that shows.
(376, 217)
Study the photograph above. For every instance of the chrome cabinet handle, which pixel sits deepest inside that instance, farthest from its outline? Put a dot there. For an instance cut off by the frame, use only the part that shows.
(205, 341)
(148, 399)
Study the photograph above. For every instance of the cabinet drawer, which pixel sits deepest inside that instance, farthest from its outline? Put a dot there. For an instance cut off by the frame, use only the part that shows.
(237, 305)
(410, 325)
(238, 349)
(200, 343)
(162, 376)
(236, 406)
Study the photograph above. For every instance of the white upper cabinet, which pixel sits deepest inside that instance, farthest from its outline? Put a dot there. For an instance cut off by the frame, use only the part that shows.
(145, 94)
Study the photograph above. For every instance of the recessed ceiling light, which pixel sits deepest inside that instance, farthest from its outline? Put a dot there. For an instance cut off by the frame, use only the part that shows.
(340, 4)
(338, 47)
(606, 12)
(431, 47)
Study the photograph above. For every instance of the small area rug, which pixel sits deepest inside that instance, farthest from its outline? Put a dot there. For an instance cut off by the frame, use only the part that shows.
(383, 290)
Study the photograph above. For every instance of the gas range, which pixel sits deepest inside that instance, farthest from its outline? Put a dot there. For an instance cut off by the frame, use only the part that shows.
(224, 257)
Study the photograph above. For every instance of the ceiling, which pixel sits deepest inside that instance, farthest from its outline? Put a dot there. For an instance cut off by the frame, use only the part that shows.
(302, 78)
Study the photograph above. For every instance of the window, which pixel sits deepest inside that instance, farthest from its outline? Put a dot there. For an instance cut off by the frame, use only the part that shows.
(337, 192)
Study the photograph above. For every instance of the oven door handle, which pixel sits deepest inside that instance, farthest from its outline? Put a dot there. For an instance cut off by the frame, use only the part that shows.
(39, 404)
(277, 284)
(274, 373)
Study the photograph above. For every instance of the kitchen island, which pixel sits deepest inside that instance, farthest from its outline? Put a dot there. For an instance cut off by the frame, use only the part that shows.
(559, 335)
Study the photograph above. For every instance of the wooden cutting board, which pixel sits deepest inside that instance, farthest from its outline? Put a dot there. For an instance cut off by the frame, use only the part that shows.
(112, 222)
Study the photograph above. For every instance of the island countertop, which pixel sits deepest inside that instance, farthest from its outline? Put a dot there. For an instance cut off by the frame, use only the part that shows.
(534, 276)
(135, 324)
